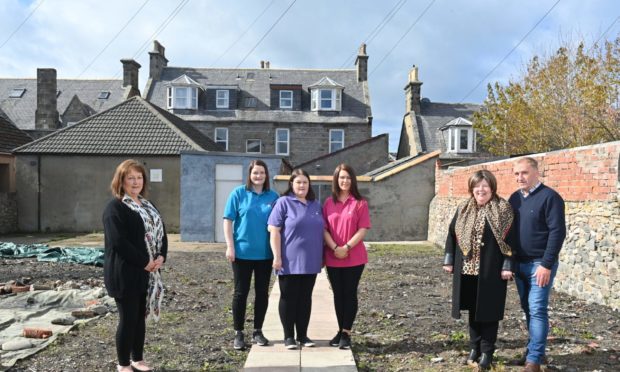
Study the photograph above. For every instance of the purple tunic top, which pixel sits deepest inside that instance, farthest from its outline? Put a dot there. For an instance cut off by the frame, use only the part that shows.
(301, 234)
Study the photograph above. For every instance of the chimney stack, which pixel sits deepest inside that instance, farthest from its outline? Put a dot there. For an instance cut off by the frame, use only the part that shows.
(46, 114)
(413, 91)
(267, 64)
(362, 63)
(131, 70)
(157, 60)
(262, 64)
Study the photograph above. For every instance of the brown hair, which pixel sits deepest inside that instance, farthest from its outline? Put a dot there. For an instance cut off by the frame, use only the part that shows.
(529, 160)
(336, 188)
(479, 176)
(296, 173)
(119, 177)
(253, 163)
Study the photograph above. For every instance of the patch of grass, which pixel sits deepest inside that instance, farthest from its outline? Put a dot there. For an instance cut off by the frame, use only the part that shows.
(407, 249)
(458, 336)
(559, 332)
(588, 335)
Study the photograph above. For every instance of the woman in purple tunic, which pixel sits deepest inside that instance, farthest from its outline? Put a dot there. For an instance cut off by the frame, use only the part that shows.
(296, 237)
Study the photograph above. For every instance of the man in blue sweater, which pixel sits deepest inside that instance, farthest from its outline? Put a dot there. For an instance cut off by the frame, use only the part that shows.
(540, 222)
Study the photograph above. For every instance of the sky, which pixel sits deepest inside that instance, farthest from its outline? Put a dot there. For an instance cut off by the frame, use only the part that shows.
(457, 44)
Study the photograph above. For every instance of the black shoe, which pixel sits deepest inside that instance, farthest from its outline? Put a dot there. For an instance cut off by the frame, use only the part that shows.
(259, 339)
(485, 361)
(345, 341)
(336, 340)
(290, 343)
(239, 343)
(473, 357)
(305, 341)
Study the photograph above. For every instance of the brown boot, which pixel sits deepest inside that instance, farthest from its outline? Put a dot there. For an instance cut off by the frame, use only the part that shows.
(531, 367)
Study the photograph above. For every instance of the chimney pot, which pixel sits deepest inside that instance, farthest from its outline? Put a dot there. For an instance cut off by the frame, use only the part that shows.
(262, 64)
(267, 64)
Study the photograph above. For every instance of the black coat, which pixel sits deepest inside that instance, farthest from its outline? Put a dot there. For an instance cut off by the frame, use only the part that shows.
(491, 298)
(126, 254)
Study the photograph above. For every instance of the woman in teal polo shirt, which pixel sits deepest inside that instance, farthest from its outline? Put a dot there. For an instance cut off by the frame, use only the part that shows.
(247, 248)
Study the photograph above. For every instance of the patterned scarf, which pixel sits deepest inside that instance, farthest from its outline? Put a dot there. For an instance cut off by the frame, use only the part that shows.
(497, 212)
(153, 237)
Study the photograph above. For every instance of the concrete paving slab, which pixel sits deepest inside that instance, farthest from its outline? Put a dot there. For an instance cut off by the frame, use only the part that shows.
(323, 326)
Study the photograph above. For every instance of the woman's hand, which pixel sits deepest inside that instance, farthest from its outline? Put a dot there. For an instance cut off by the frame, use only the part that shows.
(159, 263)
(150, 266)
(230, 254)
(506, 275)
(277, 263)
(341, 252)
(448, 268)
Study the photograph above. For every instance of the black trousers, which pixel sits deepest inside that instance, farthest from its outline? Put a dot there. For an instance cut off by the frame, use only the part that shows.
(131, 328)
(482, 335)
(242, 272)
(296, 303)
(344, 282)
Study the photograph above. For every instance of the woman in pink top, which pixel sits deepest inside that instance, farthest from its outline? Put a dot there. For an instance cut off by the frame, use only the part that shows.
(346, 222)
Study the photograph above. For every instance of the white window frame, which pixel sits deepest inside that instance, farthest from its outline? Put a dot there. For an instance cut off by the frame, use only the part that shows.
(284, 99)
(317, 100)
(454, 140)
(189, 101)
(222, 102)
(225, 142)
(260, 146)
(332, 143)
(288, 141)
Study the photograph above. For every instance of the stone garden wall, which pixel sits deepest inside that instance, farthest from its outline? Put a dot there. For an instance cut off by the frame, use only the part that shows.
(587, 179)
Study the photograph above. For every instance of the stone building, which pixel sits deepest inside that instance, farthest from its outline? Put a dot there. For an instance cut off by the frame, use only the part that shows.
(43, 105)
(300, 114)
(10, 138)
(429, 126)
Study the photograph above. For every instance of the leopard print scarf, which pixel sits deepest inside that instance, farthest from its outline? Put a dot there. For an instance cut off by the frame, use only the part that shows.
(497, 212)
(153, 237)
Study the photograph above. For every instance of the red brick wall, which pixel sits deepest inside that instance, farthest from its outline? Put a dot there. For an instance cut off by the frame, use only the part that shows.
(578, 174)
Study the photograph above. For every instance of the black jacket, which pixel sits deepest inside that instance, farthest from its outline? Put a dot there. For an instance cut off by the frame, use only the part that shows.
(491, 299)
(126, 254)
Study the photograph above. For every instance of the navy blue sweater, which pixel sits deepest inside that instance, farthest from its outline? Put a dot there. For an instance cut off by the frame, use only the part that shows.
(541, 226)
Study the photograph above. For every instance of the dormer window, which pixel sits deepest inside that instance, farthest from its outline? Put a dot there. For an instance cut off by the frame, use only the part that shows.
(326, 95)
(222, 99)
(286, 99)
(17, 92)
(182, 93)
(461, 136)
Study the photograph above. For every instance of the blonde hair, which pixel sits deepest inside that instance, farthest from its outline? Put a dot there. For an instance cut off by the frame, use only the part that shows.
(119, 177)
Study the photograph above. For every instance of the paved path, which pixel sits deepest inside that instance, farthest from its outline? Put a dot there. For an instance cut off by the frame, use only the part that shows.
(323, 326)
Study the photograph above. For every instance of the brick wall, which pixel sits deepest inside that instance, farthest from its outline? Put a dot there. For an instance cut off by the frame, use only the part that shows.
(8, 212)
(587, 178)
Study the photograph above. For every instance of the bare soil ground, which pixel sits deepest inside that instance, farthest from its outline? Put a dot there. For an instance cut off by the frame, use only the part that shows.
(404, 321)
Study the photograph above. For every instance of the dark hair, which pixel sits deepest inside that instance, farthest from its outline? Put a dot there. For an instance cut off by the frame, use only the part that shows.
(336, 188)
(479, 176)
(119, 177)
(296, 173)
(253, 163)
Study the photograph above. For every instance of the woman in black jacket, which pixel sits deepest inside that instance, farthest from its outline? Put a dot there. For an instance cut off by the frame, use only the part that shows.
(478, 255)
(135, 249)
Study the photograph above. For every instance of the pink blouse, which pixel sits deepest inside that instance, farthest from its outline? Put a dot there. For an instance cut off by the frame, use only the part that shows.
(342, 221)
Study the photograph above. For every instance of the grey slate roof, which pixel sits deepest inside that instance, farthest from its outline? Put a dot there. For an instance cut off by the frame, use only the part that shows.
(10, 136)
(434, 116)
(355, 105)
(133, 127)
(21, 111)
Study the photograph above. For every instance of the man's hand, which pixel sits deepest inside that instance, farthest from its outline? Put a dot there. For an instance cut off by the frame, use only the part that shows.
(543, 276)
(448, 268)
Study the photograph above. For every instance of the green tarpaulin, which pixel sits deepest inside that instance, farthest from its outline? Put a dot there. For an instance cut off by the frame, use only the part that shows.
(43, 252)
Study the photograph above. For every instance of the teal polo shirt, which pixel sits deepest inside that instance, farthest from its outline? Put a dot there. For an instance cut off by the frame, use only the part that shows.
(249, 212)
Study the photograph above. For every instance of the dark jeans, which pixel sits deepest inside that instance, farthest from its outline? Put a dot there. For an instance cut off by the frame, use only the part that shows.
(482, 335)
(296, 303)
(131, 328)
(242, 271)
(344, 282)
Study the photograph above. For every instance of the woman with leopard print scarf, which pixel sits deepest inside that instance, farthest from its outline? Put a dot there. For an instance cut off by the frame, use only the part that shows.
(479, 256)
